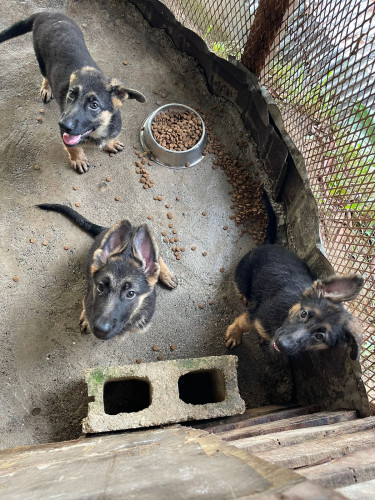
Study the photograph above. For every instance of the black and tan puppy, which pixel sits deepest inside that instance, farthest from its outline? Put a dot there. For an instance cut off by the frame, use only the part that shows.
(88, 100)
(123, 268)
(288, 307)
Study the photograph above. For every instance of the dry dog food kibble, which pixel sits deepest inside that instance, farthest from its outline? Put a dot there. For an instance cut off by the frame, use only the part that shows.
(177, 131)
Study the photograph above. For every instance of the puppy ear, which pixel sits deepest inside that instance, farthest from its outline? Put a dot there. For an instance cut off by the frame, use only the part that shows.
(336, 288)
(114, 241)
(146, 250)
(121, 92)
(354, 337)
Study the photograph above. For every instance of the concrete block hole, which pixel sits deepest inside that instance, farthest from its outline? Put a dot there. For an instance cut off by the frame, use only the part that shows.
(126, 396)
(202, 386)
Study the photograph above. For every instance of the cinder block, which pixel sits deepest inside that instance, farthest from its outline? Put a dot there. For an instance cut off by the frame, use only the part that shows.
(150, 394)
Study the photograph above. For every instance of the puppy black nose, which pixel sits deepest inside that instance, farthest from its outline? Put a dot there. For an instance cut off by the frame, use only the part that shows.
(102, 328)
(66, 126)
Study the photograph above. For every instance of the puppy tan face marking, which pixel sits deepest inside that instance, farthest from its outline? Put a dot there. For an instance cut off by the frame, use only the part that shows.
(295, 309)
(117, 103)
(105, 119)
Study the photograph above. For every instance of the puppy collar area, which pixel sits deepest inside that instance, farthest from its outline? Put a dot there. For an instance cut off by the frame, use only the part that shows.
(71, 140)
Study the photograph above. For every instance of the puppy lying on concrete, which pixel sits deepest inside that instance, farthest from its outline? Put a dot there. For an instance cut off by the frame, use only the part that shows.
(123, 267)
(286, 306)
(88, 100)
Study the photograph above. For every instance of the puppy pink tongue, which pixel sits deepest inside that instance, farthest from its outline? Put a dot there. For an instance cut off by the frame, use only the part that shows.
(70, 140)
(275, 347)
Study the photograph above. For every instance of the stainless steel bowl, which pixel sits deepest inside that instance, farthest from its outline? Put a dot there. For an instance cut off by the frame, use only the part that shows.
(165, 157)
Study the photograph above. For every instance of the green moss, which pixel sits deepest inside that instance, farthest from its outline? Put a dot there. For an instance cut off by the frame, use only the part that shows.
(96, 377)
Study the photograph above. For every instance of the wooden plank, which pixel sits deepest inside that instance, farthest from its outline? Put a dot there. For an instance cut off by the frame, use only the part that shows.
(340, 472)
(175, 462)
(359, 491)
(287, 438)
(249, 419)
(319, 451)
(249, 413)
(316, 419)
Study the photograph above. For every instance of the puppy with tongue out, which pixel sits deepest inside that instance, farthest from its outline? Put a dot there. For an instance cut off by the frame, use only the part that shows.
(89, 101)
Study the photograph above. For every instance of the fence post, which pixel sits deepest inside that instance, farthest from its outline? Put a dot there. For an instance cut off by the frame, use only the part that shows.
(267, 23)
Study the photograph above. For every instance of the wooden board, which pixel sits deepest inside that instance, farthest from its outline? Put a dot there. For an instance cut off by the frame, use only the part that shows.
(175, 462)
(319, 451)
(248, 414)
(359, 491)
(295, 436)
(316, 419)
(254, 417)
(356, 468)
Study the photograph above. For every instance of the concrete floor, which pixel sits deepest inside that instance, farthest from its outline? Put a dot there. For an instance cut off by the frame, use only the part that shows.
(43, 397)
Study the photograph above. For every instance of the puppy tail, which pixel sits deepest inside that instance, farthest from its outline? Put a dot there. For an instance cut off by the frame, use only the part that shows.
(18, 29)
(271, 232)
(88, 226)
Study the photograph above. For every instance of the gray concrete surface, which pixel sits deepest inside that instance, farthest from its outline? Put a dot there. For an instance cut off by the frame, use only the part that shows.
(43, 354)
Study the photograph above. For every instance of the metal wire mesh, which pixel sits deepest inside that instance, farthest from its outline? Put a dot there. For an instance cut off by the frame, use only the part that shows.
(316, 58)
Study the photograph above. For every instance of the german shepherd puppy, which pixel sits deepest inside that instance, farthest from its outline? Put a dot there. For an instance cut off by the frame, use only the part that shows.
(286, 305)
(88, 100)
(123, 267)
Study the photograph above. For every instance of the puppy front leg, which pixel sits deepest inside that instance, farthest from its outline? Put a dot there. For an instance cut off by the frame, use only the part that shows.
(46, 91)
(83, 323)
(166, 276)
(233, 335)
(77, 158)
(113, 146)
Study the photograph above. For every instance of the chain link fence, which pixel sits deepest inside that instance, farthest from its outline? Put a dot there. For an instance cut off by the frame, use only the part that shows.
(317, 59)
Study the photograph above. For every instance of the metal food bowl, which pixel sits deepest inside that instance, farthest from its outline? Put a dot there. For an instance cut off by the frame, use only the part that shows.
(164, 156)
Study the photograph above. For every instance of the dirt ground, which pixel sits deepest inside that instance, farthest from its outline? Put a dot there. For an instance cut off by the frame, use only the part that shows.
(43, 397)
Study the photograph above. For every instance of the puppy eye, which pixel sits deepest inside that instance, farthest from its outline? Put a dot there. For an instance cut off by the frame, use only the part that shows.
(100, 287)
(130, 294)
(303, 313)
(93, 105)
(319, 336)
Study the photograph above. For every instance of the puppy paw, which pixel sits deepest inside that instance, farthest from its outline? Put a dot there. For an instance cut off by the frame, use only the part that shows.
(84, 324)
(46, 91)
(169, 279)
(113, 146)
(80, 165)
(233, 337)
